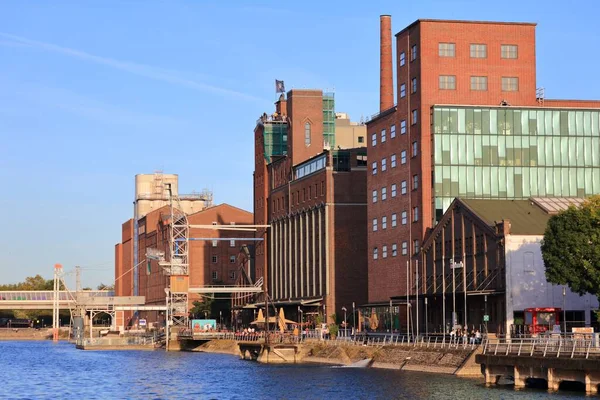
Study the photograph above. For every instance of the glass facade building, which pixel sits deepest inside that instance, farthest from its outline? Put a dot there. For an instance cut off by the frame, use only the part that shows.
(514, 153)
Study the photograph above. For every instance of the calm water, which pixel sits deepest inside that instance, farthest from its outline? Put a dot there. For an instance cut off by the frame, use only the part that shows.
(43, 370)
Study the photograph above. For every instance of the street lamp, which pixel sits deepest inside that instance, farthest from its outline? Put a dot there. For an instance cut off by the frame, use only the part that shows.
(167, 293)
(345, 328)
(353, 317)
(221, 320)
(426, 318)
(564, 310)
(301, 315)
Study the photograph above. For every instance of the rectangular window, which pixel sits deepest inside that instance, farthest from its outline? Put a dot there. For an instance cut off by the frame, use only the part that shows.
(383, 193)
(478, 50)
(446, 49)
(393, 190)
(414, 117)
(374, 167)
(232, 259)
(374, 224)
(215, 276)
(509, 51)
(394, 220)
(448, 82)
(415, 182)
(415, 214)
(384, 251)
(232, 275)
(414, 149)
(510, 84)
(404, 218)
(232, 243)
(214, 259)
(393, 160)
(413, 85)
(393, 131)
(403, 157)
(375, 253)
(214, 242)
(416, 246)
(361, 139)
(382, 135)
(403, 127)
(373, 139)
(394, 250)
(404, 248)
(402, 59)
(479, 83)
(383, 222)
(403, 90)
(413, 52)
(383, 165)
(403, 187)
(374, 196)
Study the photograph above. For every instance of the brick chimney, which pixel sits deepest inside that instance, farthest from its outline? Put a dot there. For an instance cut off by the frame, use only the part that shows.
(386, 76)
(281, 105)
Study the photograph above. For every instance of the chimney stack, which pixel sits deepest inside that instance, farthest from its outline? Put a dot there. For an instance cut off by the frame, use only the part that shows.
(386, 77)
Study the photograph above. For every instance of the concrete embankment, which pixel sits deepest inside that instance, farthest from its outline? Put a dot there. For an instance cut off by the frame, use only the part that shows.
(409, 358)
(25, 334)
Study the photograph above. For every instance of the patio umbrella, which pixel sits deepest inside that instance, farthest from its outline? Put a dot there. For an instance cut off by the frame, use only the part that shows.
(281, 320)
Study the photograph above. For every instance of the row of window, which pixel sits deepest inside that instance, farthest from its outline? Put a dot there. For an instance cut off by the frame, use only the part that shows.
(215, 275)
(215, 243)
(394, 249)
(414, 117)
(413, 87)
(394, 189)
(312, 192)
(478, 50)
(394, 219)
(414, 153)
(215, 259)
(509, 83)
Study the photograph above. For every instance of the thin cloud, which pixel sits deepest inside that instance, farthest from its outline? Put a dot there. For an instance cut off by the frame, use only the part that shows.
(146, 71)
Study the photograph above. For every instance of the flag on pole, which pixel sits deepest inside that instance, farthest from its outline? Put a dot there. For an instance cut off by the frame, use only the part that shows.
(279, 86)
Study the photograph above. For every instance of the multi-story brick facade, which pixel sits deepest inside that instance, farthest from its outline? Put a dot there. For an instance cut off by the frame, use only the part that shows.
(210, 261)
(487, 66)
(314, 255)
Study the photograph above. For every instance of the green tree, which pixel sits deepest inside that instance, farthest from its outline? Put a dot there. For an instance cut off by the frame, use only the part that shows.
(201, 307)
(571, 248)
(102, 286)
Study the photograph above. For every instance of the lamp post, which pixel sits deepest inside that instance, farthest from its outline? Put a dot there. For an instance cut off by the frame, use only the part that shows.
(353, 317)
(167, 326)
(221, 320)
(486, 313)
(345, 328)
(564, 310)
(391, 319)
(426, 318)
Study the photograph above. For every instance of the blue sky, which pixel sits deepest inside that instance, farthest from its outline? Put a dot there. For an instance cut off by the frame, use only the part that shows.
(94, 92)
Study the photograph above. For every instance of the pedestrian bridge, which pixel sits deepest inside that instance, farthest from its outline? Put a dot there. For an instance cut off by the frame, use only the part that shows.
(553, 360)
(44, 299)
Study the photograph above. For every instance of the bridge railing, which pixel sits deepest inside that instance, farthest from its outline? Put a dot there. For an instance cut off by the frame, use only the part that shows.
(563, 346)
(48, 295)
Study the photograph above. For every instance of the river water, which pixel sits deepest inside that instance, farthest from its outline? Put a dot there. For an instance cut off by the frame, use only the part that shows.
(44, 370)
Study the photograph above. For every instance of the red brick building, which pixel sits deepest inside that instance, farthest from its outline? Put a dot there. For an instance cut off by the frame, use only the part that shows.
(467, 114)
(314, 255)
(210, 261)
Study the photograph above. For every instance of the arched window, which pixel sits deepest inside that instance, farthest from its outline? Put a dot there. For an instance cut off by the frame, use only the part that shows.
(307, 134)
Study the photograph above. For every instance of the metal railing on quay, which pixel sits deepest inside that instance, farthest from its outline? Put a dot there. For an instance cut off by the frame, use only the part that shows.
(118, 341)
(560, 346)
